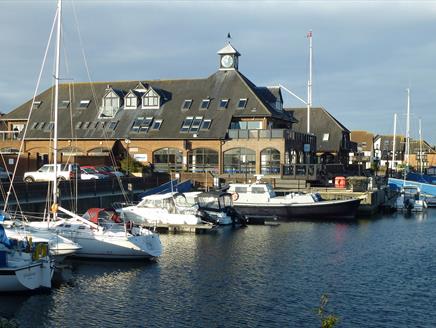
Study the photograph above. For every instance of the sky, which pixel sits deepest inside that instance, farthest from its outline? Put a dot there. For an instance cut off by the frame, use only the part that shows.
(365, 53)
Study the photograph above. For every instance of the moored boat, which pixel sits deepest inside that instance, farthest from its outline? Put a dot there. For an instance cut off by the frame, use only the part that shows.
(260, 200)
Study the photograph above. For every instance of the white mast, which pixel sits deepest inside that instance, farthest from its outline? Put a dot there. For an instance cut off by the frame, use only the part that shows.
(420, 147)
(407, 150)
(394, 141)
(309, 83)
(55, 118)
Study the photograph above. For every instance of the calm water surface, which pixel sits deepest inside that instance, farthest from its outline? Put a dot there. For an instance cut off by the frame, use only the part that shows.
(378, 273)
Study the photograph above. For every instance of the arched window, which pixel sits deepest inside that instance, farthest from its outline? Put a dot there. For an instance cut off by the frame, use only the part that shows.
(168, 159)
(240, 160)
(270, 161)
(202, 160)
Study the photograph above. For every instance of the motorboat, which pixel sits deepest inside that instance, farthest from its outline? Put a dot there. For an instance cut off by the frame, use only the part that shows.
(410, 199)
(164, 209)
(259, 200)
(24, 266)
(217, 205)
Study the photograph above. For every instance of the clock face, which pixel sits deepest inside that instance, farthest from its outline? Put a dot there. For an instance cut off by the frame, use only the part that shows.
(227, 61)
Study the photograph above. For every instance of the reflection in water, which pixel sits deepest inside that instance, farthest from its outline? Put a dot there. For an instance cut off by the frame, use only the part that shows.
(373, 270)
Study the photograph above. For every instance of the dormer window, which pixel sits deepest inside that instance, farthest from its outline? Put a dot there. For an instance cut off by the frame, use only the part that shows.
(131, 101)
(205, 104)
(111, 104)
(187, 104)
(83, 104)
(224, 103)
(151, 99)
(64, 104)
(242, 103)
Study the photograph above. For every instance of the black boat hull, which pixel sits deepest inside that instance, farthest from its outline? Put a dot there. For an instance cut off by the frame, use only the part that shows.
(323, 210)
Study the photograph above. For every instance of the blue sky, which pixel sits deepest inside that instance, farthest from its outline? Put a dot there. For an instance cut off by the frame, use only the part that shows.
(366, 53)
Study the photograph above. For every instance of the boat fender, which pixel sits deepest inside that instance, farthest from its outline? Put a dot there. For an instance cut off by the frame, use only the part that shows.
(40, 251)
(235, 196)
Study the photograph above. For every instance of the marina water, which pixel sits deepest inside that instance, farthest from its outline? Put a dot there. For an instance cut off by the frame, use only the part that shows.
(378, 272)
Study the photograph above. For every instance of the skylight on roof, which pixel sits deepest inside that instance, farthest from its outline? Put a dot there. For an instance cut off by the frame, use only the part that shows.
(41, 126)
(186, 124)
(86, 125)
(137, 123)
(224, 103)
(187, 104)
(206, 124)
(79, 125)
(195, 126)
(146, 124)
(64, 104)
(36, 104)
(83, 104)
(242, 103)
(205, 104)
(156, 125)
(113, 125)
(50, 126)
(35, 125)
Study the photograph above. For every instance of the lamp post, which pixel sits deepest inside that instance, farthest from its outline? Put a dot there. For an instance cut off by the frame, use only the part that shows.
(127, 141)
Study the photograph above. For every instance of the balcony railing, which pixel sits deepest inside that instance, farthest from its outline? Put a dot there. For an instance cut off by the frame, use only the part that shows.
(270, 134)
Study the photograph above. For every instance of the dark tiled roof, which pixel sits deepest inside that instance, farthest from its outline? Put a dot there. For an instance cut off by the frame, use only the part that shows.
(364, 138)
(228, 84)
(321, 122)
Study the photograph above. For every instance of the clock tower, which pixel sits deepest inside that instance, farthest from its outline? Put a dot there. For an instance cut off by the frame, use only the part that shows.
(228, 57)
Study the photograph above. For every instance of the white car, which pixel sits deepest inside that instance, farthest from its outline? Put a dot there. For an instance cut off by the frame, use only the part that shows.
(46, 173)
(90, 174)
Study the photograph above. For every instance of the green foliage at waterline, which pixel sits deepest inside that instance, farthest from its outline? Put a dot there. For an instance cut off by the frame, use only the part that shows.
(327, 320)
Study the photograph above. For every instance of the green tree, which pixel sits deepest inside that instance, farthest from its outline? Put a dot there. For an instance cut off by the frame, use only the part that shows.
(129, 164)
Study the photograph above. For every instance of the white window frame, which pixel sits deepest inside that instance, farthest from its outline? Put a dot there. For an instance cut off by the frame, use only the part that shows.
(151, 100)
(326, 137)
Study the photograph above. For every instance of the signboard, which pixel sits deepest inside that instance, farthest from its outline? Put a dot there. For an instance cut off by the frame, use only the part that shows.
(140, 157)
(306, 148)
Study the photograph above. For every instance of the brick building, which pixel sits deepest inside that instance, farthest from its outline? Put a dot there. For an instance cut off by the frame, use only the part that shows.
(223, 123)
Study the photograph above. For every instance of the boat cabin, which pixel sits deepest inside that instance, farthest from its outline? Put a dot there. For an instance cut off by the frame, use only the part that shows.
(256, 192)
(214, 200)
(172, 202)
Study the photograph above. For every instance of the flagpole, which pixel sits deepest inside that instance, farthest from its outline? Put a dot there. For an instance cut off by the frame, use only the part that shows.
(309, 83)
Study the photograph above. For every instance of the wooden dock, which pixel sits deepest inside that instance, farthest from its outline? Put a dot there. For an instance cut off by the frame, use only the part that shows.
(181, 228)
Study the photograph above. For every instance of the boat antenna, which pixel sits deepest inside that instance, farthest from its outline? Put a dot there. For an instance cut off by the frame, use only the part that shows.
(420, 147)
(55, 114)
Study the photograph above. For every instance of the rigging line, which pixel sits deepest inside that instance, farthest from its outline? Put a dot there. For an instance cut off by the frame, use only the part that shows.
(30, 113)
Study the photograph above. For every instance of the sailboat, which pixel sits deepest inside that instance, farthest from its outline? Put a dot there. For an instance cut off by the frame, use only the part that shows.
(24, 266)
(410, 198)
(99, 241)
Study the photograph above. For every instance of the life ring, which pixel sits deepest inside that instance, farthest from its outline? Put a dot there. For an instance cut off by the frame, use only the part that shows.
(235, 196)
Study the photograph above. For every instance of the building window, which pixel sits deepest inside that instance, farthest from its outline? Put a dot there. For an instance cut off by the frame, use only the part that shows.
(137, 123)
(131, 101)
(79, 125)
(187, 104)
(205, 104)
(240, 160)
(203, 160)
(64, 104)
(111, 104)
(146, 124)
(187, 124)
(35, 125)
(150, 100)
(242, 103)
(84, 104)
(224, 103)
(206, 124)
(270, 161)
(325, 137)
(195, 126)
(37, 104)
(167, 160)
(156, 125)
(41, 126)
(246, 125)
(50, 126)
(87, 125)
(113, 125)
